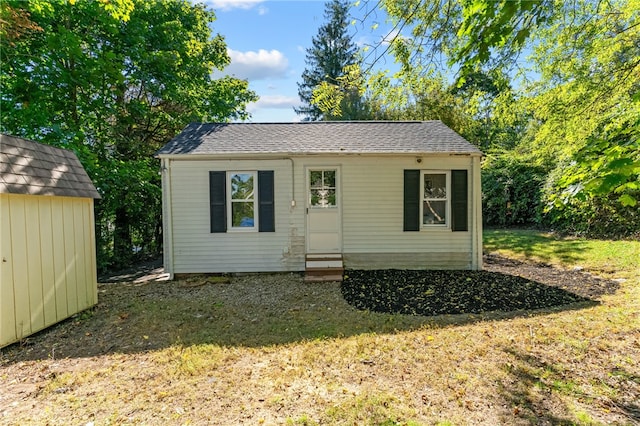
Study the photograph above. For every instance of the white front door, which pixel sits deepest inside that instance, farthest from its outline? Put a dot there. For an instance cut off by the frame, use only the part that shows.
(324, 227)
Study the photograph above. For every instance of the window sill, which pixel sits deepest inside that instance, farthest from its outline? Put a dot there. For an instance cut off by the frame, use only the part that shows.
(241, 230)
(435, 228)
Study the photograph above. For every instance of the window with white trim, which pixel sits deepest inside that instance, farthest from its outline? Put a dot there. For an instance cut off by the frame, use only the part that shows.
(242, 213)
(434, 187)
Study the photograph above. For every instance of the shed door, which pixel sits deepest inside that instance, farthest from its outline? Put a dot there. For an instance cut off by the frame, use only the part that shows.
(324, 227)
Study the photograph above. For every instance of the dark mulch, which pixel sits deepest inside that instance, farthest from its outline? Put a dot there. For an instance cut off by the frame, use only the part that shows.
(457, 292)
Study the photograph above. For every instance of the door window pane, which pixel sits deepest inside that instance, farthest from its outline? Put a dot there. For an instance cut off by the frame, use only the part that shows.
(329, 178)
(322, 188)
(315, 178)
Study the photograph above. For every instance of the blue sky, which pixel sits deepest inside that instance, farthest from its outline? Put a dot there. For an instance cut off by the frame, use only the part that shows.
(266, 41)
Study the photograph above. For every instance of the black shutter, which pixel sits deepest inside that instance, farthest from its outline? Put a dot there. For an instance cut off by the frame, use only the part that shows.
(459, 200)
(266, 210)
(412, 200)
(218, 201)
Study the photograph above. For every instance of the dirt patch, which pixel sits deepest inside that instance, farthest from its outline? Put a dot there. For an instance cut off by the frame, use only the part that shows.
(149, 270)
(576, 280)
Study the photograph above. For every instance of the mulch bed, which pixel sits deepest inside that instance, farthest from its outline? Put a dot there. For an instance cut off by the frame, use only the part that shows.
(505, 285)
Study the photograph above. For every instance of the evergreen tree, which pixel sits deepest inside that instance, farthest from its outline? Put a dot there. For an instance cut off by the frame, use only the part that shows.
(332, 50)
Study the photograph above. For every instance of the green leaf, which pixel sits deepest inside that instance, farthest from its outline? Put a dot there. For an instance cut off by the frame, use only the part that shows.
(627, 200)
(113, 81)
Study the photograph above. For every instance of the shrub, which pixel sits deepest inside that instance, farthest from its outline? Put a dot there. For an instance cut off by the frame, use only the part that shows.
(595, 216)
(511, 191)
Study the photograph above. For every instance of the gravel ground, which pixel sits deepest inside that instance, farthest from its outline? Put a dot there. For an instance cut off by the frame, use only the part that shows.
(266, 341)
(504, 285)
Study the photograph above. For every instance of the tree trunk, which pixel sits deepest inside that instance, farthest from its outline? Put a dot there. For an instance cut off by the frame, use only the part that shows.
(122, 244)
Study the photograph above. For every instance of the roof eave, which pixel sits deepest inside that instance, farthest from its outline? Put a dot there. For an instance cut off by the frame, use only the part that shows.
(271, 155)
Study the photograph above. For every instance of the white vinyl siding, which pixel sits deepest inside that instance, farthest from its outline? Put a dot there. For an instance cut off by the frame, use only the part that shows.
(372, 213)
(371, 199)
(375, 218)
(194, 249)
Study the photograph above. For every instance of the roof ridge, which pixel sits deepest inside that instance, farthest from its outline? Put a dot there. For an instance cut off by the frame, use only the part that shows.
(244, 123)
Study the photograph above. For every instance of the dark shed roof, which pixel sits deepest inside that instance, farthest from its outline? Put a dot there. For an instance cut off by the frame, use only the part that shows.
(325, 137)
(28, 167)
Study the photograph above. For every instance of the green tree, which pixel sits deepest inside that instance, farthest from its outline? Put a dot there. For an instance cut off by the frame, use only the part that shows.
(332, 50)
(114, 81)
(343, 98)
(577, 101)
(481, 110)
(14, 24)
(587, 98)
(511, 191)
(427, 97)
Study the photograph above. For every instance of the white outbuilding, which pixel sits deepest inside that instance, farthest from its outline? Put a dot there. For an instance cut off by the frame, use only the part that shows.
(320, 196)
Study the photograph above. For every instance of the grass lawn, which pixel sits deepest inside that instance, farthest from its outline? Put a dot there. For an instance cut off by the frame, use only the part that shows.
(252, 350)
(604, 257)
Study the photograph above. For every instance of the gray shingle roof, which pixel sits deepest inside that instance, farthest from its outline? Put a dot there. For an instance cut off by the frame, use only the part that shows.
(28, 167)
(327, 137)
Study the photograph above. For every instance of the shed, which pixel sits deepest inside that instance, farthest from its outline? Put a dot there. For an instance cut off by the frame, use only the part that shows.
(47, 249)
(319, 196)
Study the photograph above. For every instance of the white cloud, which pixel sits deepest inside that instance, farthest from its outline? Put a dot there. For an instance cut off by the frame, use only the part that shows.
(392, 35)
(260, 65)
(226, 5)
(383, 40)
(274, 108)
(363, 41)
(276, 102)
